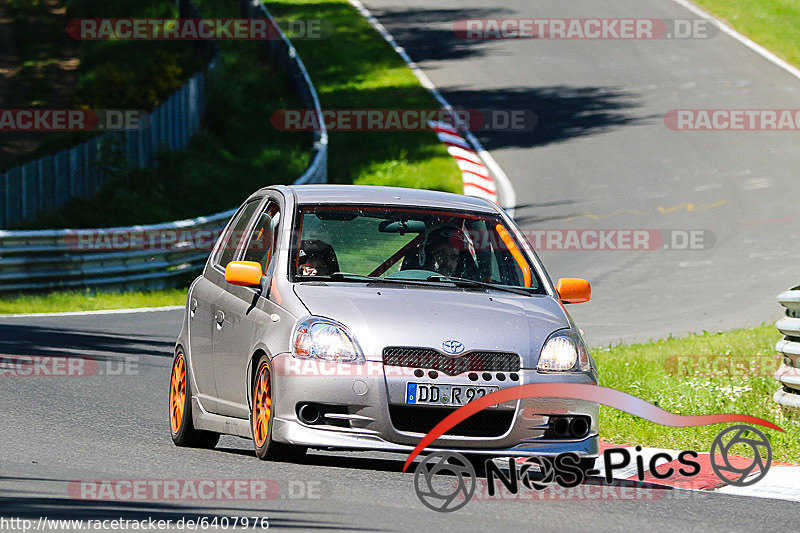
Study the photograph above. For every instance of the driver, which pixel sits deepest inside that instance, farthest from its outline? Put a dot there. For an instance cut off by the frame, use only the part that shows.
(442, 251)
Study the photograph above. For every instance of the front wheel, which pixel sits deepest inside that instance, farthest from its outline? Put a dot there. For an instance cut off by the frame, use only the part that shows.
(180, 410)
(263, 416)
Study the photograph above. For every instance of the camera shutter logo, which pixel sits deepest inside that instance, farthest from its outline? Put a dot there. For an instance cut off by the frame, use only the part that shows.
(721, 451)
(445, 481)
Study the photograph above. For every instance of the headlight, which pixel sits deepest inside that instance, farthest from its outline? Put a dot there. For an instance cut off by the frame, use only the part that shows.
(564, 351)
(321, 338)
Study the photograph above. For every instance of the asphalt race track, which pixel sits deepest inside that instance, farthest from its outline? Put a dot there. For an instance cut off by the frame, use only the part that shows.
(601, 152)
(58, 430)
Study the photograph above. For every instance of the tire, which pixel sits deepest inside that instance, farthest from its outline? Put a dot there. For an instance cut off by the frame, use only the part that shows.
(180, 410)
(262, 417)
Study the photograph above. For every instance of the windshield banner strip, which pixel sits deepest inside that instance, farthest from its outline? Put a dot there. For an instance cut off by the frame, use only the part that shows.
(518, 257)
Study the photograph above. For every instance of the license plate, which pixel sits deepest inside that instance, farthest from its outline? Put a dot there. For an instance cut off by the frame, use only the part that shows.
(428, 394)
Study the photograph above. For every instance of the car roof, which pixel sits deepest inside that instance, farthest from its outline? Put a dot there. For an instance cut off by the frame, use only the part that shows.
(373, 194)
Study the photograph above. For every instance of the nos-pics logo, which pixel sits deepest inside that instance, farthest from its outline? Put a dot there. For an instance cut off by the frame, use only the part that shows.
(446, 481)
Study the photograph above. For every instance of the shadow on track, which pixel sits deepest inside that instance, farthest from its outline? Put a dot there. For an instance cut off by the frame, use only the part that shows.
(336, 461)
(562, 112)
(23, 339)
(413, 29)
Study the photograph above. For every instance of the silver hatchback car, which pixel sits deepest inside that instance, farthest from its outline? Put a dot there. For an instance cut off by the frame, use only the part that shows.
(357, 318)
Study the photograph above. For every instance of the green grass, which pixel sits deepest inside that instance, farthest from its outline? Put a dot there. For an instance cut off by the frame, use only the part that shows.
(354, 68)
(774, 24)
(113, 74)
(657, 373)
(240, 151)
(89, 301)
(235, 154)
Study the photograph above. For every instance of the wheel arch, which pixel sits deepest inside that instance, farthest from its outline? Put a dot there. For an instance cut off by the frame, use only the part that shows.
(259, 352)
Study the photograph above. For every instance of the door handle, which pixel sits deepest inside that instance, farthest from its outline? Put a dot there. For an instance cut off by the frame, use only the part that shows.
(219, 317)
(192, 307)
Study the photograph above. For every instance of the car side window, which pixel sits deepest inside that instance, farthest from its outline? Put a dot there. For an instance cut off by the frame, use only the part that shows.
(234, 236)
(261, 244)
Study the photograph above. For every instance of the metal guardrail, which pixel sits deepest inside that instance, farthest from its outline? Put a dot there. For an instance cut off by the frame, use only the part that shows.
(50, 181)
(788, 375)
(53, 259)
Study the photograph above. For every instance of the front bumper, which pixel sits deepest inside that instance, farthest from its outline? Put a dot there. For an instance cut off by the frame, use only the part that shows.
(369, 390)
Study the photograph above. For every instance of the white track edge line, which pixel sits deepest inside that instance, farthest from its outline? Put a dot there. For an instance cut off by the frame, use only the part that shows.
(97, 312)
(751, 44)
(503, 183)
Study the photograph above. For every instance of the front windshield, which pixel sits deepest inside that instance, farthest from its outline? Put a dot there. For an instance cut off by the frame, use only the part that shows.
(406, 243)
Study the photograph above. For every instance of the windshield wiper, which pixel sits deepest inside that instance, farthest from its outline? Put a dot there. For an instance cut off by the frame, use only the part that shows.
(349, 276)
(459, 282)
(337, 276)
(471, 283)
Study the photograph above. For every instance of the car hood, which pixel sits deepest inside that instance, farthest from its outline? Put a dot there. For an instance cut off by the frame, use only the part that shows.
(380, 316)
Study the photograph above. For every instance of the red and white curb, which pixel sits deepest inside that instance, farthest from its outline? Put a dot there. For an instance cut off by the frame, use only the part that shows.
(477, 179)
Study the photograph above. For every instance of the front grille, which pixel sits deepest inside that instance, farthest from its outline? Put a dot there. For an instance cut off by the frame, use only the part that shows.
(489, 423)
(428, 358)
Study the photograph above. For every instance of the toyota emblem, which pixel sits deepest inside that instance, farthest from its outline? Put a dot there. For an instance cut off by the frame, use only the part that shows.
(453, 347)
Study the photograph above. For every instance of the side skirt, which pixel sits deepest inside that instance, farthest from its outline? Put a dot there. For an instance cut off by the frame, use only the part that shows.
(219, 424)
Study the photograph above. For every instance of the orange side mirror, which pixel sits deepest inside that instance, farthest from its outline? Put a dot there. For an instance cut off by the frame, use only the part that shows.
(574, 290)
(244, 273)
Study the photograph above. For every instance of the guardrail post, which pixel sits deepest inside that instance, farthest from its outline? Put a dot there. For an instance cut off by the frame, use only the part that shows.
(788, 375)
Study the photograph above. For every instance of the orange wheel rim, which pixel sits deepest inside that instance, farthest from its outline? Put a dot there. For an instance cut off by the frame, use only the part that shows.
(177, 393)
(262, 406)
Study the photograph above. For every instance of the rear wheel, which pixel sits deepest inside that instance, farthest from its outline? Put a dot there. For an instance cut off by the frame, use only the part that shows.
(262, 418)
(180, 410)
